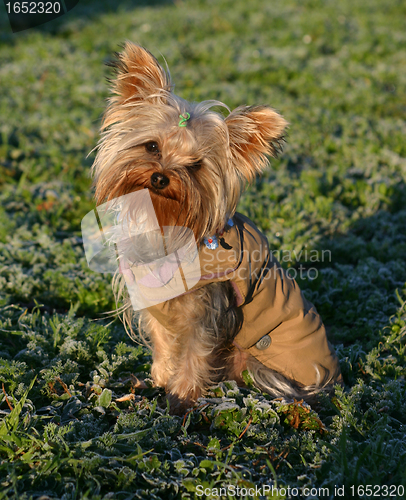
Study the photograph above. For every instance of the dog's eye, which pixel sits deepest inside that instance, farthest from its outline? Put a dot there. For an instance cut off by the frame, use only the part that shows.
(194, 167)
(152, 147)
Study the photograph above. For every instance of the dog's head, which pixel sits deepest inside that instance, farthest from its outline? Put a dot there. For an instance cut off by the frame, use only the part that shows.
(194, 161)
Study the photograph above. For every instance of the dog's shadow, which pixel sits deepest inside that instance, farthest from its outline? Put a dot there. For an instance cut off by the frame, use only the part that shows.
(358, 273)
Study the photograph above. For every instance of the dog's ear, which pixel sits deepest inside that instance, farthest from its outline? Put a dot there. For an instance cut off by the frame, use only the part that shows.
(138, 77)
(255, 132)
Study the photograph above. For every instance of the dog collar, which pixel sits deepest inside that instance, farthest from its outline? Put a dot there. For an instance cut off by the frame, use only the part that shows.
(212, 242)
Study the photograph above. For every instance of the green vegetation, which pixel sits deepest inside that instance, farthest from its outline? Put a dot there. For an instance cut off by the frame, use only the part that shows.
(335, 70)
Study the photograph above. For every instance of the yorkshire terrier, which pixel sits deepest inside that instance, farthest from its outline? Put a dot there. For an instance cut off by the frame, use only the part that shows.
(244, 313)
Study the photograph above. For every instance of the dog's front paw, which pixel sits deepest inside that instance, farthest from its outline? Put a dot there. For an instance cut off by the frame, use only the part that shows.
(178, 406)
(159, 374)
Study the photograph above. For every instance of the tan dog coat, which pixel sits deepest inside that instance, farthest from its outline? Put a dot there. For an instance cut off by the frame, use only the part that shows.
(281, 329)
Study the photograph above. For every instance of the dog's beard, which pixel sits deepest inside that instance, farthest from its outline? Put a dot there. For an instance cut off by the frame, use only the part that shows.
(181, 203)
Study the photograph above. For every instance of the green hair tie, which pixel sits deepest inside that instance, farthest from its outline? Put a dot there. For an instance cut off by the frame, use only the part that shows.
(183, 119)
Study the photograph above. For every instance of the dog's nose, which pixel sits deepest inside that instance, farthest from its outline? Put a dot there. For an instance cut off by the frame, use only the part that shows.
(159, 181)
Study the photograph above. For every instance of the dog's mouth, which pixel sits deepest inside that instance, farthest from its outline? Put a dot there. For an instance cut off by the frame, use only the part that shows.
(158, 192)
